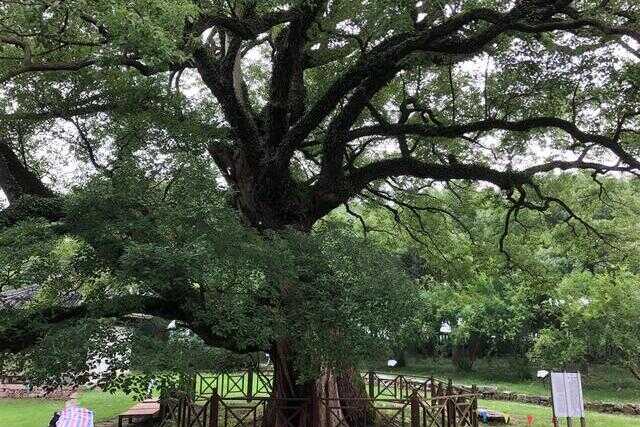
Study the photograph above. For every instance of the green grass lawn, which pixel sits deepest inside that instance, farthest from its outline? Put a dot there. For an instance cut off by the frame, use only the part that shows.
(38, 412)
(601, 383)
(542, 416)
(27, 412)
(105, 405)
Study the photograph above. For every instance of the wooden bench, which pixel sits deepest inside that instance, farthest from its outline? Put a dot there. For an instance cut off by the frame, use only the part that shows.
(140, 411)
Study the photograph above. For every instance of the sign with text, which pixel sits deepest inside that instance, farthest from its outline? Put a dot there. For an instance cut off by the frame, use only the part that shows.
(566, 390)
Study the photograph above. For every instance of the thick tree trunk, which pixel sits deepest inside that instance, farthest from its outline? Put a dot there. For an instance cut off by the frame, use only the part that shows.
(297, 402)
(270, 201)
(27, 195)
(351, 385)
(292, 399)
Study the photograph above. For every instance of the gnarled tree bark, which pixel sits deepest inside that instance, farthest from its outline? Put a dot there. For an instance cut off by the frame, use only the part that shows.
(16, 179)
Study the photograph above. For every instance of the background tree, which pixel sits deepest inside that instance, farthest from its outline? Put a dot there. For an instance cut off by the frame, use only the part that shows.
(306, 106)
(555, 293)
(596, 323)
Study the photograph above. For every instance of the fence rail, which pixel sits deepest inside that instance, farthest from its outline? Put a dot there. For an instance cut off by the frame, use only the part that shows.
(402, 386)
(449, 411)
(256, 382)
(249, 384)
(244, 399)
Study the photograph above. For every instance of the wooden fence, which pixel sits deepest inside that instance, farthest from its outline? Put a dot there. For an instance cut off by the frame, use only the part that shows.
(249, 384)
(242, 400)
(448, 411)
(380, 385)
(259, 383)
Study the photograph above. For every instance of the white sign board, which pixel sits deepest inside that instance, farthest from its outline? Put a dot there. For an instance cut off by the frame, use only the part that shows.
(566, 390)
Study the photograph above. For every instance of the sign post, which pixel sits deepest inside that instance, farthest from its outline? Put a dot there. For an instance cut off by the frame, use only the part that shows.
(554, 419)
(566, 397)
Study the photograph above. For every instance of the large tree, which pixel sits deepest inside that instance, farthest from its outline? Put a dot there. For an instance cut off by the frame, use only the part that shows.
(307, 105)
(498, 305)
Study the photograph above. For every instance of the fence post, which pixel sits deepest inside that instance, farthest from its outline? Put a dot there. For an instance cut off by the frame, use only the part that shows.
(432, 389)
(474, 406)
(198, 384)
(371, 384)
(250, 384)
(187, 408)
(415, 410)
(213, 408)
(194, 384)
(182, 404)
(451, 410)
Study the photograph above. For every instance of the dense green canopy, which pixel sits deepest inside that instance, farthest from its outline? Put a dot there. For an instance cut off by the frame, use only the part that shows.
(126, 248)
(179, 158)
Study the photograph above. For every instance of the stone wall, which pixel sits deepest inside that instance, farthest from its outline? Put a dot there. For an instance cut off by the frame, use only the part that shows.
(492, 393)
(22, 391)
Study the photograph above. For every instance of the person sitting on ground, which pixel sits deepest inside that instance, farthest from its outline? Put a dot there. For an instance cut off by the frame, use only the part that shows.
(74, 416)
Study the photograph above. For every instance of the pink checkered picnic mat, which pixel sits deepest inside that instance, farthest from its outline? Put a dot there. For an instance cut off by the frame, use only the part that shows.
(74, 416)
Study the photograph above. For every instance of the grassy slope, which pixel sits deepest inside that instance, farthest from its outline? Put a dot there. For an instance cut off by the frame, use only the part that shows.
(38, 412)
(602, 383)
